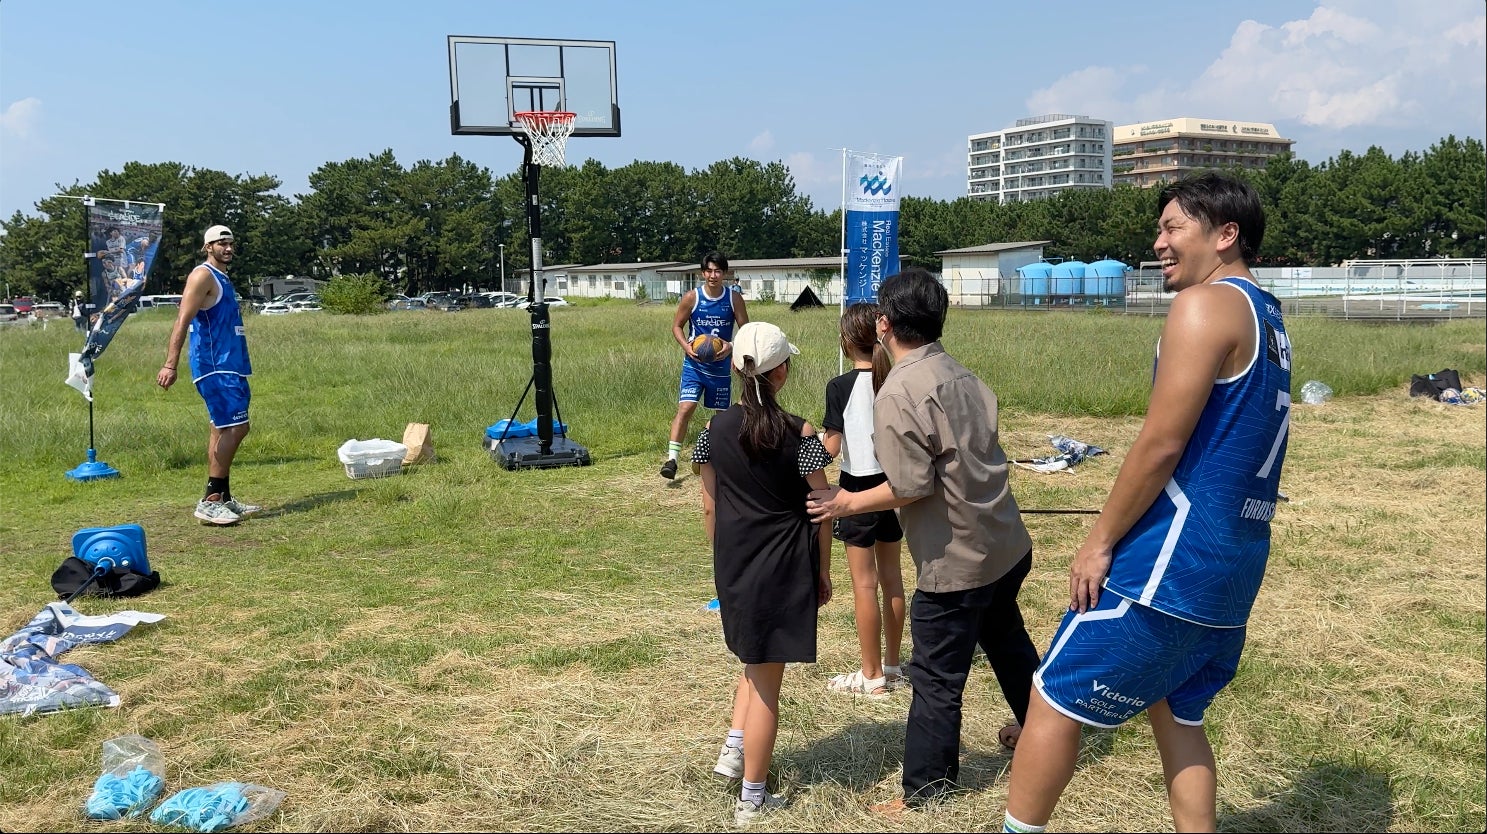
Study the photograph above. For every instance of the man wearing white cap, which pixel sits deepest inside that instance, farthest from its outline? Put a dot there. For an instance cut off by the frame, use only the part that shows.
(219, 367)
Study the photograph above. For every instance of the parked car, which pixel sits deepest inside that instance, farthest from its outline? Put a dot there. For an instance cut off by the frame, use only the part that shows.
(406, 303)
(503, 299)
(48, 310)
(7, 312)
(275, 308)
(305, 305)
(22, 305)
(287, 298)
(148, 301)
(479, 300)
(552, 301)
(446, 301)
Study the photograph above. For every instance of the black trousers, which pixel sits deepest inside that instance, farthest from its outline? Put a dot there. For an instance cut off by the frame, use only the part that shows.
(946, 628)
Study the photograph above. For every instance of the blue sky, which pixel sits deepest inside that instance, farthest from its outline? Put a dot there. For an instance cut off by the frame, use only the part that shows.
(283, 86)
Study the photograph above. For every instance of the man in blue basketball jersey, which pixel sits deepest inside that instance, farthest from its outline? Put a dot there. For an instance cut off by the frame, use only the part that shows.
(219, 367)
(1160, 591)
(715, 309)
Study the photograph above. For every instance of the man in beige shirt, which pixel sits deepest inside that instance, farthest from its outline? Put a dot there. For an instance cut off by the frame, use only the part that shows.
(935, 435)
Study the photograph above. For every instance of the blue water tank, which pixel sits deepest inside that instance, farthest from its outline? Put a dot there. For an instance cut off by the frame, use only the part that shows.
(1034, 283)
(1068, 278)
(1106, 278)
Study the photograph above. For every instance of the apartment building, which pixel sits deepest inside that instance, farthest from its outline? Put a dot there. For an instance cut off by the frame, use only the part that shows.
(1039, 157)
(1152, 153)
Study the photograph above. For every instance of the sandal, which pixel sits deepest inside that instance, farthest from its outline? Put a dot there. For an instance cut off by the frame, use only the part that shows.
(855, 684)
(1009, 735)
(895, 676)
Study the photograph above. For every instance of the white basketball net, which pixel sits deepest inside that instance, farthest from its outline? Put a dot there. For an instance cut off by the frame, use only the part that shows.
(548, 131)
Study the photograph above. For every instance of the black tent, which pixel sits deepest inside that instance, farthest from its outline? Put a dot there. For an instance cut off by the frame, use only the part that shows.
(807, 298)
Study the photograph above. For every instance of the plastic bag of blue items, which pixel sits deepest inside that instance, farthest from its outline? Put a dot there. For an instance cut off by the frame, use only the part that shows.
(133, 776)
(217, 807)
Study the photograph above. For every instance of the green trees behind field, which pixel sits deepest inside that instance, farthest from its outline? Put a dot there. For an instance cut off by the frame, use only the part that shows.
(438, 225)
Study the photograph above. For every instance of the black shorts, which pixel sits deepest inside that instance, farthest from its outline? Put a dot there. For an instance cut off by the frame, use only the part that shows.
(868, 529)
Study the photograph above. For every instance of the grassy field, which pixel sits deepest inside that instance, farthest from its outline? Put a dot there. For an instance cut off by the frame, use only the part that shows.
(465, 648)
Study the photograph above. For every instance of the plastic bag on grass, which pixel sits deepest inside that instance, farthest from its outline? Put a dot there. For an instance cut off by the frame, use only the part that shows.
(217, 807)
(1315, 392)
(133, 777)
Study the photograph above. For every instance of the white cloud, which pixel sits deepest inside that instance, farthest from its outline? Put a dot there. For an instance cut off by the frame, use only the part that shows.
(1349, 64)
(810, 172)
(1092, 91)
(20, 119)
(762, 143)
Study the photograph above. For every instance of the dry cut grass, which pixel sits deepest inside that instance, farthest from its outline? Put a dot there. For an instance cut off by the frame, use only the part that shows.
(1359, 705)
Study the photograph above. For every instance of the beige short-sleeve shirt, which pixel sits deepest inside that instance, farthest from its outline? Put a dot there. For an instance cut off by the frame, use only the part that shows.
(935, 435)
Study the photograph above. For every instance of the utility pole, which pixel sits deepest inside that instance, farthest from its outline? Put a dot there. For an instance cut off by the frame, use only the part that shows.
(503, 266)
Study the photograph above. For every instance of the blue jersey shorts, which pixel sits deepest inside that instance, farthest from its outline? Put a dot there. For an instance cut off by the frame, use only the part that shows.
(226, 396)
(712, 391)
(1118, 658)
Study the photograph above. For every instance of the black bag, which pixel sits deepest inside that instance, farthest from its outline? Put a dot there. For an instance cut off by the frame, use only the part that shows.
(1431, 385)
(116, 582)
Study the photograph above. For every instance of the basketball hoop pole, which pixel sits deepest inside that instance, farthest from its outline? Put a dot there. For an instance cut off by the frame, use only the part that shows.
(542, 451)
(537, 306)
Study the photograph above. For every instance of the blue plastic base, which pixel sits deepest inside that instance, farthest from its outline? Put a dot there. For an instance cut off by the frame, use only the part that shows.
(92, 469)
(119, 546)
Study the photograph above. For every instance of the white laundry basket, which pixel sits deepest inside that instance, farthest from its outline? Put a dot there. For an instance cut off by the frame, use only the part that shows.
(376, 458)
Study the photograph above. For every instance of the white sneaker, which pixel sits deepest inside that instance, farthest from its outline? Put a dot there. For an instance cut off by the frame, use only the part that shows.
(746, 812)
(215, 512)
(243, 510)
(730, 763)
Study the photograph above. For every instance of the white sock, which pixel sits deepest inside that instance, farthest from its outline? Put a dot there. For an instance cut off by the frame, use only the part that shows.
(673, 450)
(1015, 826)
(734, 740)
(753, 792)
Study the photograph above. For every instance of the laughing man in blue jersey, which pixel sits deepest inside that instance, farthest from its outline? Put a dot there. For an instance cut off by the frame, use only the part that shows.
(1160, 592)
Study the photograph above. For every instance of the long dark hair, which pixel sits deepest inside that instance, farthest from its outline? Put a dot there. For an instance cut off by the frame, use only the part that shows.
(765, 424)
(860, 333)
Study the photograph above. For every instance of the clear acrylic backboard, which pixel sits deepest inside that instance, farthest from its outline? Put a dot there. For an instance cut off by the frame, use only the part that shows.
(491, 79)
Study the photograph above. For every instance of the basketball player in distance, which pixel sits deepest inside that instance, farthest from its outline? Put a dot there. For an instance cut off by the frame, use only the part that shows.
(711, 308)
(218, 355)
(1160, 591)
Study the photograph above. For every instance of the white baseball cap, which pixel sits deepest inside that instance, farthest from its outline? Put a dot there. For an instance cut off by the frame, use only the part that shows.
(764, 343)
(215, 234)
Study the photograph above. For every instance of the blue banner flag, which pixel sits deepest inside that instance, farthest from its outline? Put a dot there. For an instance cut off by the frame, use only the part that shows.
(123, 238)
(871, 224)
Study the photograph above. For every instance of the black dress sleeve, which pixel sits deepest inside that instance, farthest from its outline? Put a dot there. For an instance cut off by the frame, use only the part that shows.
(701, 450)
(812, 455)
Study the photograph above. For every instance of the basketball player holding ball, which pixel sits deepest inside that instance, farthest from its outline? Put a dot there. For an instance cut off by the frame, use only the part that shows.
(713, 309)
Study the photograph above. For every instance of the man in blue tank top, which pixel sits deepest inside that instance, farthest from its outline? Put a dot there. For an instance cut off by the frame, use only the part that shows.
(219, 367)
(1160, 591)
(715, 309)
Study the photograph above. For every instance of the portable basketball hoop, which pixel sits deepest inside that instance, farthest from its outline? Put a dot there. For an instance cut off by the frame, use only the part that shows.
(534, 89)
(548, 131)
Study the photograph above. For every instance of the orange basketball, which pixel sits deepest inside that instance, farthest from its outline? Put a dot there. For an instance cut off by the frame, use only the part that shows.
(706, 346)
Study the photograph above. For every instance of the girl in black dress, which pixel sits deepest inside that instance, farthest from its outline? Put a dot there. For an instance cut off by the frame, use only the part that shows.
(771, 565)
